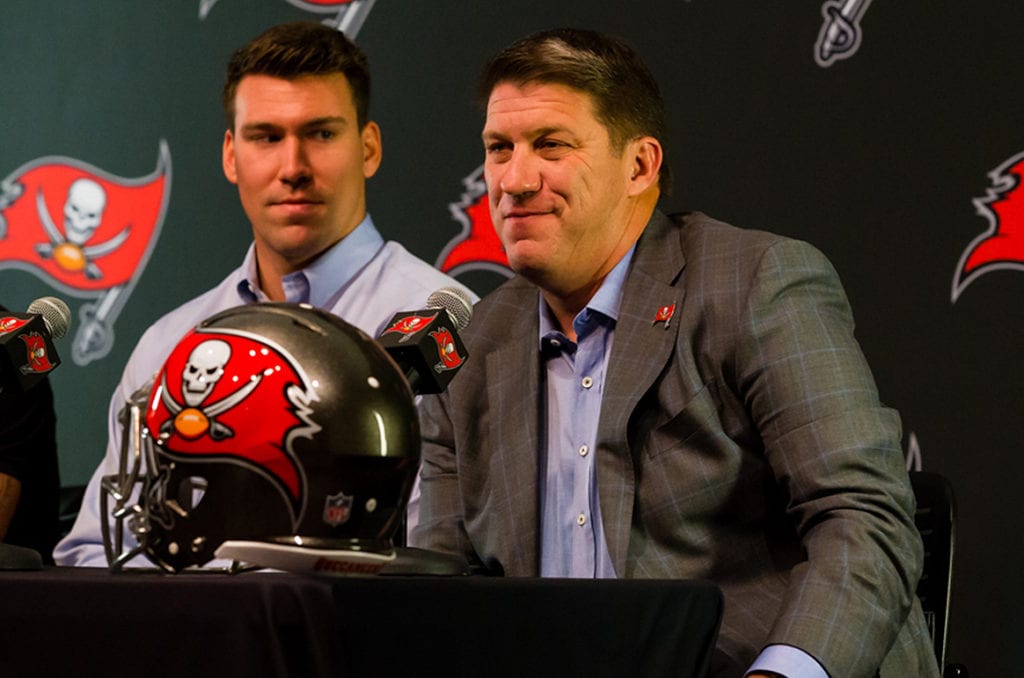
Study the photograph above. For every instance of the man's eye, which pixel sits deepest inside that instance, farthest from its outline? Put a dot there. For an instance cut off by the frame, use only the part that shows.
(324, 134)
(498, 151)
(551, 145)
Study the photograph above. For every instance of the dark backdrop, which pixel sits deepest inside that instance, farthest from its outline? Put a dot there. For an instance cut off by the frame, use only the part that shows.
(898, 158)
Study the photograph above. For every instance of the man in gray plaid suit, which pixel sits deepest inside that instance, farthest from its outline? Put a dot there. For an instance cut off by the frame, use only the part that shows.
(667, 397)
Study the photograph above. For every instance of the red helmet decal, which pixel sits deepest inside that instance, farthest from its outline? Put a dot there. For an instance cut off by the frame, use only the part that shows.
(226, 395)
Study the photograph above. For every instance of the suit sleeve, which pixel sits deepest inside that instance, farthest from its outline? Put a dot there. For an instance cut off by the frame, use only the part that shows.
(441, 525)
(834, 451)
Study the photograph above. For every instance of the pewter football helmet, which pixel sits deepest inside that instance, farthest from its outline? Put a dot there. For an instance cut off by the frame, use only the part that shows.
(275, 434)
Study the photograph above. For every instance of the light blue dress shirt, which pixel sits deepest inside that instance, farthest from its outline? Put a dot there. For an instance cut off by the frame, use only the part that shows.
(572, 534)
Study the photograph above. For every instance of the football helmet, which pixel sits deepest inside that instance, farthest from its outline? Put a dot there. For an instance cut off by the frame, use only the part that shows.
(275, 434)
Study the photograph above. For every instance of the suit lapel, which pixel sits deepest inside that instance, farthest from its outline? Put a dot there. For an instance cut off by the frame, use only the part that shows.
(513, 391)
(645, 334)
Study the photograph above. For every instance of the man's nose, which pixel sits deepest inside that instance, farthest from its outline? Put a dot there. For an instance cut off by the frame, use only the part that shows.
(520, 174)
(295, 170)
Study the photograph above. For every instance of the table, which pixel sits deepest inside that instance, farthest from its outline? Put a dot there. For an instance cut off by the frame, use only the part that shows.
(88, 622)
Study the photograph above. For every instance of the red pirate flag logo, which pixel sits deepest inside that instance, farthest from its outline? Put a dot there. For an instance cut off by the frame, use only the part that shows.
(409, 325)
(9, 324)
(348, 18)
(38, 362)
(86, 232)
(234, 396)
(446, 350)
(477, 247)
(1001, 247)
(664, 314)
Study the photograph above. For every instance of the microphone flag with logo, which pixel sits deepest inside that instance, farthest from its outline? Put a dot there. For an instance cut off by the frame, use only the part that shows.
(27, 351)
(426, 343)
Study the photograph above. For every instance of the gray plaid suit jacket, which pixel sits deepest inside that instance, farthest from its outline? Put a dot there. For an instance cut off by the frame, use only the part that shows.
(742, 442)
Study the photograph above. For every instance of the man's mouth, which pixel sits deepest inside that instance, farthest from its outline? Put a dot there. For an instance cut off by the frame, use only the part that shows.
(297, 201)
(524, 213)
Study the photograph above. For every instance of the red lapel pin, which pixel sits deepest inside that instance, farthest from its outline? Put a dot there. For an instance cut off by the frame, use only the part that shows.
(664, 314)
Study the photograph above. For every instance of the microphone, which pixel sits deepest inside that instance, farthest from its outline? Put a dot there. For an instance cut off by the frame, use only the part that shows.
(426, 343)
(27, 351)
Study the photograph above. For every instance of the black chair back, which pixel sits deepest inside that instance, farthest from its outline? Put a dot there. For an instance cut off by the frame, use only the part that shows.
(935, 520)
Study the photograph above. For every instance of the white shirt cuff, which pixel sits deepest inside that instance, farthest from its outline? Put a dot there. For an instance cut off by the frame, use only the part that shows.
(787, 661)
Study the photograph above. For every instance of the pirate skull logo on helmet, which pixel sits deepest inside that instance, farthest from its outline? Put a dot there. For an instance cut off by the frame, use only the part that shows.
(272, 431)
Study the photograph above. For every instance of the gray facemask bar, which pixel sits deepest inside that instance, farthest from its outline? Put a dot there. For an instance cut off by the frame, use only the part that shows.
(136, 466)
(136, 455)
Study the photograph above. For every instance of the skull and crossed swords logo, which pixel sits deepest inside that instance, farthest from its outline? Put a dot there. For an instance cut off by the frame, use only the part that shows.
(205, 367)
(83, 213)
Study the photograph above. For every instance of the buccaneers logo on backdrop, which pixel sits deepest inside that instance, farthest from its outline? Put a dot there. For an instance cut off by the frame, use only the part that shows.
(234, 396)
(1002, 245)
(840, 35)
(85, 232)
(477, 247)
(348, 18)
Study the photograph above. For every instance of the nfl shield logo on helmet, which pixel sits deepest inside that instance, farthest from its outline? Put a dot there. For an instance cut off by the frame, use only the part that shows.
(337, 508)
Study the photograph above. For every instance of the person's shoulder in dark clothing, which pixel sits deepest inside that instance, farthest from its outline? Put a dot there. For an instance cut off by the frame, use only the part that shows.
(28, 453)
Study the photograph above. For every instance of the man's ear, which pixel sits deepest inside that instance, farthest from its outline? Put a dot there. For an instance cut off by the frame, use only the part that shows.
(228, 157)
(645, 158)
(372, 150)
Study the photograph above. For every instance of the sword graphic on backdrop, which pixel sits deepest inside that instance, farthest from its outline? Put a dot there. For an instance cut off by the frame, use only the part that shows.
(840, 34)
(349, 19)
(95, 336)
(9, 192)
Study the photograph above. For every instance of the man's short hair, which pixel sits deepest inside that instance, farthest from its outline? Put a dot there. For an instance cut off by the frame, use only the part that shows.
(298, 49)
(627, 100)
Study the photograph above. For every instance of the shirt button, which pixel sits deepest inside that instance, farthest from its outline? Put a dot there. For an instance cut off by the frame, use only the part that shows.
(583, 450)
(587, 382)
(581, 520)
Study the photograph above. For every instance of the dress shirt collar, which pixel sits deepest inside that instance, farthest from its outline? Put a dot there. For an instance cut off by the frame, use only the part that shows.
(328, 273)
(606, 301)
